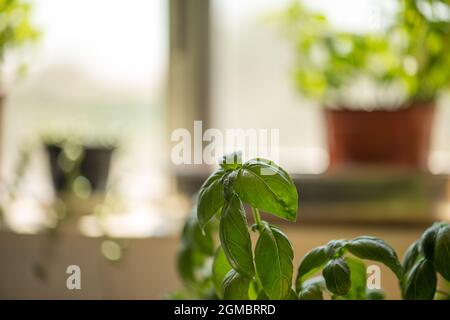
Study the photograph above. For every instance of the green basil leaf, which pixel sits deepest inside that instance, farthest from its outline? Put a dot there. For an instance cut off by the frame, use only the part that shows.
(421, 281)
(292, 295)
(337, 276)
(253, 290)
(375, 249)
(310, 293)
(312, 289)
(273, 260)
(312, 262)
(210, 198)
(442, 252)
(234, 237)
(374, 294)
(411, 256)
(187, 235)
(337, 247)
(202, 240)
(235, 286)
(264, 185)
(262, 296)
(191, 258)
(189, 261)
(358, 278)
(220, 268)
(231, 161)
(428, 240)
(185, 266)
(194, 237)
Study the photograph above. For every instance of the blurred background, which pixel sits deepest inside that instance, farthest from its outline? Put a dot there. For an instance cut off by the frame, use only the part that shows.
(90, 92)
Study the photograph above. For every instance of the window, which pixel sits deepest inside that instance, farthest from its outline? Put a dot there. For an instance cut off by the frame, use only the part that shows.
(251, 84)
(98, 74)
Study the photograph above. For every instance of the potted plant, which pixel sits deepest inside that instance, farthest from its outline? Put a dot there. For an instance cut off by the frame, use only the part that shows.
(16, 31)
(379, 88)
(235, 269)
(79, 172)
(70, 159)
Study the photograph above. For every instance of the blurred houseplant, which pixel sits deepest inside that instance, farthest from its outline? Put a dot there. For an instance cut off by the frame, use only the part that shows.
(70, 159)
(79, 172)
(396, 72)
(16, 32)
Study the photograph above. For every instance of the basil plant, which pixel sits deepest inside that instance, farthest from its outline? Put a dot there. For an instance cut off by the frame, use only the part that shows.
(239, 270)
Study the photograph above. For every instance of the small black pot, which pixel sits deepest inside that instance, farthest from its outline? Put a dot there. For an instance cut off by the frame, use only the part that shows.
(94, 166)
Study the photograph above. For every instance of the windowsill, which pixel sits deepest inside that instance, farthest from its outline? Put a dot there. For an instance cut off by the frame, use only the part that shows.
(367, 197)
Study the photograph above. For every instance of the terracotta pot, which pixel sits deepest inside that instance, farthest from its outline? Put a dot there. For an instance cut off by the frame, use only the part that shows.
(398, 138)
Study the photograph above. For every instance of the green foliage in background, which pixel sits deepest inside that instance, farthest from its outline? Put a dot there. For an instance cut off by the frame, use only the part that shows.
(408, 55)
(16, 29)
(237, 269)
(194, 260)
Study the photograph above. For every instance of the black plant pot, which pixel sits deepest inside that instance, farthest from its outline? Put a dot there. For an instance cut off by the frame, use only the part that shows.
(94, 166)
